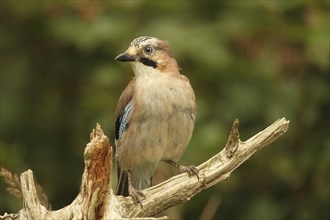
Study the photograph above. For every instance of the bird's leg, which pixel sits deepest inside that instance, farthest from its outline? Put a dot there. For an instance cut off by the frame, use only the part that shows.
(136, 195)
(191, 170)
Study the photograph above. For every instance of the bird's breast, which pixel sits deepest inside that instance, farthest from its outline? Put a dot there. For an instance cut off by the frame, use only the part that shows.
(162, 95)
(161, 123)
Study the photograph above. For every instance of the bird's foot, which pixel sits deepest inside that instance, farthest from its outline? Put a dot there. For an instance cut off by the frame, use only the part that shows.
(136, 195)
(191, 170)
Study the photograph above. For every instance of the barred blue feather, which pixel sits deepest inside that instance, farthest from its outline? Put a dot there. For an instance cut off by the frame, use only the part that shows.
(123, 121)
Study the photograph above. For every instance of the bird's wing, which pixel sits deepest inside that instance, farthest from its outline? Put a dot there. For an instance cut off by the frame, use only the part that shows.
(122, 121)
(124, 109)
(123, 113)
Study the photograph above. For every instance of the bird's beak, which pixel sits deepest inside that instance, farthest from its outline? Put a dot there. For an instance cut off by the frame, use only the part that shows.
(125, 57)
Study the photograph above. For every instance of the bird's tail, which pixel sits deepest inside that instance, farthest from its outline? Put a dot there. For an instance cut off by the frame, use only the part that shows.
(139, 182)
(122, 185)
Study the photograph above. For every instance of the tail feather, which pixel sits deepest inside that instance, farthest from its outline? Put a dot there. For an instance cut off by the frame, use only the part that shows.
(122, 185)
(139, 182)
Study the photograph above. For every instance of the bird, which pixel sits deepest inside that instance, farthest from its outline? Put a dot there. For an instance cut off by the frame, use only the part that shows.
(155, 116)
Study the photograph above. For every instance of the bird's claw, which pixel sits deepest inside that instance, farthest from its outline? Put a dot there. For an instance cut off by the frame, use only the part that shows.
(191, 170)
(136, 195)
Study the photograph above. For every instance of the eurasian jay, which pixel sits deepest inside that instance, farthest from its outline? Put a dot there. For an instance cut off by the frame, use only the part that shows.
(155, 116)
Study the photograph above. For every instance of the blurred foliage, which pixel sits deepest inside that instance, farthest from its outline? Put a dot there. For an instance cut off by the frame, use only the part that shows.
(252, 60)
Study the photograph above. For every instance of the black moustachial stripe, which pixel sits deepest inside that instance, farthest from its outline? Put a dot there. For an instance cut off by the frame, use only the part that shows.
(148, 62)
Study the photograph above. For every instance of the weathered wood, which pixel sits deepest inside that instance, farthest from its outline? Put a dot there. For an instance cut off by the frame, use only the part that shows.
(96, 199)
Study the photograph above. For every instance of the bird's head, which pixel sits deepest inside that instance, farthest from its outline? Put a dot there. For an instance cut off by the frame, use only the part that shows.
(147, 54)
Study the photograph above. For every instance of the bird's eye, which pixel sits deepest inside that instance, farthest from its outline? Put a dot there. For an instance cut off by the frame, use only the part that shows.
(148, 50)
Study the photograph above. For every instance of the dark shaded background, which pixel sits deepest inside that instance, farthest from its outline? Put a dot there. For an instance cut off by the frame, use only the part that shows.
(252, 60)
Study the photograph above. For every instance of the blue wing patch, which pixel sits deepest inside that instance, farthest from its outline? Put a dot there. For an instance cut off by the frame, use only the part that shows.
(122, 122)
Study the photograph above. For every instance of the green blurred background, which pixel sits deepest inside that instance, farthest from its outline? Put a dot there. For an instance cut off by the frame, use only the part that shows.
(252, 60)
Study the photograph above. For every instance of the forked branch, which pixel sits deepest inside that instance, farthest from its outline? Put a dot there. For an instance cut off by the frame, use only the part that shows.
(96, 199)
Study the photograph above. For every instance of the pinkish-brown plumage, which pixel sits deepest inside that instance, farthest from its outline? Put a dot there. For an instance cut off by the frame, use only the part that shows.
(155, 114)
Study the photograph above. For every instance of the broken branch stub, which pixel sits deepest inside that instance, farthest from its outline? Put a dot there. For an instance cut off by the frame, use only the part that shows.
(96, 199)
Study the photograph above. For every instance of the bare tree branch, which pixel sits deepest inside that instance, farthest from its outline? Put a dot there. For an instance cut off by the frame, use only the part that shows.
(96, 199)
